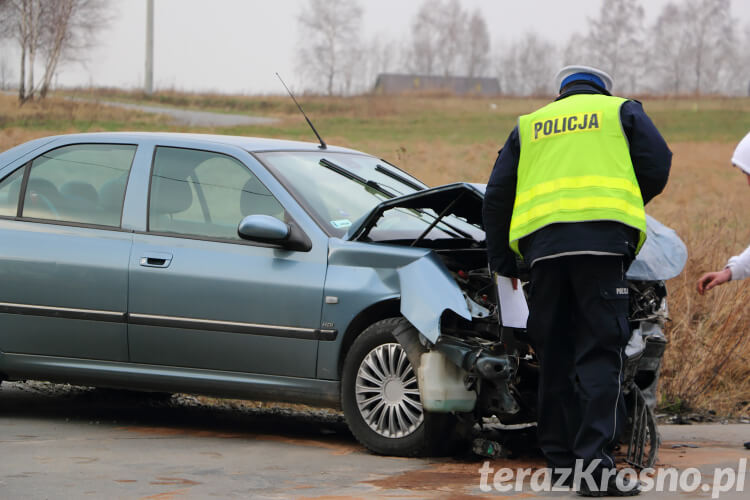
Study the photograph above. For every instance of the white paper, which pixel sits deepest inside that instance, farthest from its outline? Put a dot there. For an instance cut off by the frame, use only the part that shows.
(513, 307)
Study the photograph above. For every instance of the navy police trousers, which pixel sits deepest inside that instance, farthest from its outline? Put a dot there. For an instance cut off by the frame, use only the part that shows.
(578, 322)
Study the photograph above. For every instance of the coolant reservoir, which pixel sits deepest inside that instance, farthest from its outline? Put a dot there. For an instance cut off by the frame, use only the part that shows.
(441, 384)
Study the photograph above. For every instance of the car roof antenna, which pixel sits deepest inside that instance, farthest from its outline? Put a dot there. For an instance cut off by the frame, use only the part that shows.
(322, 143)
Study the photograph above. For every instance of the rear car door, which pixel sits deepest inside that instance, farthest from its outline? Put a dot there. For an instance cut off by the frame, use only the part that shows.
(201, 297)
(63, 254)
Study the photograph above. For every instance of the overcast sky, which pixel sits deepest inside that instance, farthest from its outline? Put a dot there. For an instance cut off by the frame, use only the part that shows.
(236, 46)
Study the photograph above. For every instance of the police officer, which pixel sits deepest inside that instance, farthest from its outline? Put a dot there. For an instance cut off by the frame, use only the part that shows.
(566, 196)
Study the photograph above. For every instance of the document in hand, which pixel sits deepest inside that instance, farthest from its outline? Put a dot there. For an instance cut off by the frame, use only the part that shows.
(513, 308)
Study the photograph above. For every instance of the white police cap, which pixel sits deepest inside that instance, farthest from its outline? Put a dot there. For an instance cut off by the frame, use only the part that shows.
(564, 76)
(741, 156)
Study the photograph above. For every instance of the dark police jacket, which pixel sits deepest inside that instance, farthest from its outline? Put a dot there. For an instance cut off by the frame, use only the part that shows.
(651, 161)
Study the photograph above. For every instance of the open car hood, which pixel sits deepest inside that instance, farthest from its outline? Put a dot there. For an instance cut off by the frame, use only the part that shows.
(662, 257)
(460, 199)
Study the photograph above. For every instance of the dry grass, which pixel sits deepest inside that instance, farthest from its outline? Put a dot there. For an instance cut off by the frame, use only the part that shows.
(707, 364)
(54, 116)
(445, 139)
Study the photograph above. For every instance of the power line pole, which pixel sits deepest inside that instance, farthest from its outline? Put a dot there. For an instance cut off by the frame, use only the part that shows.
(149, 84)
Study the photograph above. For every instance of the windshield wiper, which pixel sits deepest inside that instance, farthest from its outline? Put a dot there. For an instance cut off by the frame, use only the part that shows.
(377, 186)
(351, 175)
(401, 179)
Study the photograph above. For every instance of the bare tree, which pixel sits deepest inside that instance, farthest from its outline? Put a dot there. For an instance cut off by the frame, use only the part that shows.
(381, 55)
(453, 30)
(55, 30)
(70, 28)
(6, 31)
(23, 17)
(6, 21)
(426, 38)
(478, 46)
(615, 41)
(711, 43)
(6, 74)
(692, 39)
(670, 40)
(526, 66)
(446, 40)
(329, 41)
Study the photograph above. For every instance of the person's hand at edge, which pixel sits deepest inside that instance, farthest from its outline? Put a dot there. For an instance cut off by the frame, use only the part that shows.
(713, 279)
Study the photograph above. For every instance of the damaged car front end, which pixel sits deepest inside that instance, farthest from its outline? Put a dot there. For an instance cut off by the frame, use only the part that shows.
(441, 361)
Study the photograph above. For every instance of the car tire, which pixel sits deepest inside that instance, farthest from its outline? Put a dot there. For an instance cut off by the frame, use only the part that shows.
(380, 397)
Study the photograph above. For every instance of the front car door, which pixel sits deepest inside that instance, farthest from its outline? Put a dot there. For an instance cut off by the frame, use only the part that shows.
(201, 297)
(63, 254)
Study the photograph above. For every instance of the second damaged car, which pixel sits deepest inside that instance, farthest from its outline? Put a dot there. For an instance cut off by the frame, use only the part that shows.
(277, 270)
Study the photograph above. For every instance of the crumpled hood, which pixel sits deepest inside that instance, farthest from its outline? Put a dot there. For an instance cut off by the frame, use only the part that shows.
(417, 275)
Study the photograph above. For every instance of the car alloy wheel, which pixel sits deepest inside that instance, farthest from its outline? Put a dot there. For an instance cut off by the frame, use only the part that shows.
(387, 393)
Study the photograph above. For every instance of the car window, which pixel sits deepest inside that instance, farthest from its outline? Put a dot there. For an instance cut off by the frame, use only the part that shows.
(10, 188)
(205, 194)
(83, 183)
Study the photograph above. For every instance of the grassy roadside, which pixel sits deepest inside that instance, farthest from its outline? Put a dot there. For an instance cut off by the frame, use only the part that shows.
(443, 139)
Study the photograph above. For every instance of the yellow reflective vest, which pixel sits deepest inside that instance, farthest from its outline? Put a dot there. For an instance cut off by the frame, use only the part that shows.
(575, 166)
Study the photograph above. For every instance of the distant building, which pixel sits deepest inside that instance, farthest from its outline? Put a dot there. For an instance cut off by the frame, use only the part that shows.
(393, 83)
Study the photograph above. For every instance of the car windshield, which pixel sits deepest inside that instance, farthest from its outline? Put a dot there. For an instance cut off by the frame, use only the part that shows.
(339, 188)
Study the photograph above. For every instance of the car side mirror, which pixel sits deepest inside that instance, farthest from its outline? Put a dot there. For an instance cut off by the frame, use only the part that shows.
(263, 228)
(267, 229)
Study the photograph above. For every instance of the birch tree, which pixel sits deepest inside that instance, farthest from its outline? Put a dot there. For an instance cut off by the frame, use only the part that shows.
(70, 28)
(528, 65)
(711, 31)
(478, 46)
(671, 44)
(329, 42)
(54, 30)
(446, 40)
(426, 38)
(695, 48)
(615, 41)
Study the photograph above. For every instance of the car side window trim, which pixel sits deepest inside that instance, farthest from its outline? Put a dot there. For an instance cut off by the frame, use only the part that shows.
(149, 231)
(22, 196)
(22, 191)
(24, 186)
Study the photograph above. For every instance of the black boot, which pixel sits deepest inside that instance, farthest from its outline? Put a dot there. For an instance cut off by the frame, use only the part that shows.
(627, 488)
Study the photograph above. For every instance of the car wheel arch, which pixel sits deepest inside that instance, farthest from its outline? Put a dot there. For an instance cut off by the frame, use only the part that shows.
(388, 308)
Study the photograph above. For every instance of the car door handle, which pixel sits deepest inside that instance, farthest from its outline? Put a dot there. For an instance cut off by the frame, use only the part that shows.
(156, 259)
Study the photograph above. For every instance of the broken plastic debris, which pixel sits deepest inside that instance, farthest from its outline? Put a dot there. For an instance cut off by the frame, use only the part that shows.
(488, 448)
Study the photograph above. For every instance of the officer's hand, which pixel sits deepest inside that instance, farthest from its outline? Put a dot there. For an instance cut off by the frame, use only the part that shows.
(714, 279)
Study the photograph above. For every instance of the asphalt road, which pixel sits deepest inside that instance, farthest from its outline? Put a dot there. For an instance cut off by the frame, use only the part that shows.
(66, 442)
